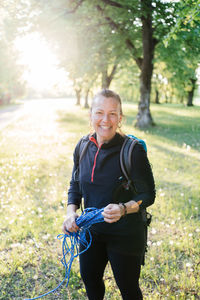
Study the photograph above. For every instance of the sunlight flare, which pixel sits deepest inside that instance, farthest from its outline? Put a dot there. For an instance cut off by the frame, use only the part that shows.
(41, 66)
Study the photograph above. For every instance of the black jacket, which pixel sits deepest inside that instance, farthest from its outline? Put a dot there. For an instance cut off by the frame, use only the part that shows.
(100, 174)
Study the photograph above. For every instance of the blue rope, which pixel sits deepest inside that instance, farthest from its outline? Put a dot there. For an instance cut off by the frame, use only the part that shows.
(89, 217)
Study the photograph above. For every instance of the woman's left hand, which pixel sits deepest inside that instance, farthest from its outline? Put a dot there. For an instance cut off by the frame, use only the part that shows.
(112, 213)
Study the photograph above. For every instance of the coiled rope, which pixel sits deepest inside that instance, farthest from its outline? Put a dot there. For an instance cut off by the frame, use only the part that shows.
(72, 241)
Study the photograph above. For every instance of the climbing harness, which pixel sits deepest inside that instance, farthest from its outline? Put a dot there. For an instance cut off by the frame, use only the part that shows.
(72, 241)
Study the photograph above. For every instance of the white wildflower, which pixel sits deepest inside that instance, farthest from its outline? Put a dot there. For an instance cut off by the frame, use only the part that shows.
(39, 209)
(153, 231)
(152, 258)
(188, 265)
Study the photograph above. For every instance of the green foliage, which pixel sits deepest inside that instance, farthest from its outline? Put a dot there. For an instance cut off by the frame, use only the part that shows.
(177, 62)
(188, 13)
(11, 84)
(126, 82)
(35, 169)
(81, 43)
(92, 36)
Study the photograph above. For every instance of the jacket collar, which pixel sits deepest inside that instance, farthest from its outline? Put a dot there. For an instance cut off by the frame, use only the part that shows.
(118, 139)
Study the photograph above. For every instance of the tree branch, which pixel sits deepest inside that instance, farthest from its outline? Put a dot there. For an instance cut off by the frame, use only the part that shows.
(113, 71)
(63, 13)
(116, 4)
(128, 42)
(75, 8)
(113, 3)
(132, 48)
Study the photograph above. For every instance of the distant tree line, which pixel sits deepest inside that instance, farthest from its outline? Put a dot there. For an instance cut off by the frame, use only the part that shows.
(11, 83)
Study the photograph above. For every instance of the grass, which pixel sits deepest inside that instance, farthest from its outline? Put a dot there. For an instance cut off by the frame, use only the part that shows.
(35, 169)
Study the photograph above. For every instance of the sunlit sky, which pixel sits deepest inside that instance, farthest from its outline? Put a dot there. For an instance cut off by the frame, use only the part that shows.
(41, 64)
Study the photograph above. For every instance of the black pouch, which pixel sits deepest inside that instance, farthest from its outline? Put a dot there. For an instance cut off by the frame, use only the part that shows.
(123, 192)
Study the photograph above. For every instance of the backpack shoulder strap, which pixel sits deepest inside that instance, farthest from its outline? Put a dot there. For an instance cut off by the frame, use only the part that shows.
(81, 152)
(125, 156)
(83, 147)
(83, 144)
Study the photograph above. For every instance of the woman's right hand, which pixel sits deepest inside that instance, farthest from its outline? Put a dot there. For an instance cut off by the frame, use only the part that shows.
(69, 223)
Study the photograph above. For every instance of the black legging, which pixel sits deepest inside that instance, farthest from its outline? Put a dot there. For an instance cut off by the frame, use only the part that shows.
(126, 270)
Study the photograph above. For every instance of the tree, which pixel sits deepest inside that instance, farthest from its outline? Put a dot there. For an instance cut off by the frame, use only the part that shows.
(11, 84)
(83, 49)
(139, 25)
(181, 56)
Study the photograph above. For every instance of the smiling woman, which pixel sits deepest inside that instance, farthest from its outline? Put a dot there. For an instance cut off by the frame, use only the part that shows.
(105, 118)
(41, 70)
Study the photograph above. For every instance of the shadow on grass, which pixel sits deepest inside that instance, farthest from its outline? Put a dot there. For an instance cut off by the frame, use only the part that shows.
(178, 128)
(71, 118)
(177, 155)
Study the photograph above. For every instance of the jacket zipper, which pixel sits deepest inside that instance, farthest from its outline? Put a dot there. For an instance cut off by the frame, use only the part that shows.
(95, 158)
(94, 165)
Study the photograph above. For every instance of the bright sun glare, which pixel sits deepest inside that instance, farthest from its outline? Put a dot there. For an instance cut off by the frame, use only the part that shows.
(41, 65)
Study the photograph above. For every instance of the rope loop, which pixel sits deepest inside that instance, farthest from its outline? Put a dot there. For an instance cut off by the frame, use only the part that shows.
(72, 241)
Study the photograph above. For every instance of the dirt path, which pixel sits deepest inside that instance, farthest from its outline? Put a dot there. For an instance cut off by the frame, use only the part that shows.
(38, 108)
(9, 114)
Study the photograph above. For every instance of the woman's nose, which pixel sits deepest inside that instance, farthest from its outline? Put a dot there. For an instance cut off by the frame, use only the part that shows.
(105, 117)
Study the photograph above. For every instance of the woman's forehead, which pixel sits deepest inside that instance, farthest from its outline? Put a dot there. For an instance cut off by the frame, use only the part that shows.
(103, 102)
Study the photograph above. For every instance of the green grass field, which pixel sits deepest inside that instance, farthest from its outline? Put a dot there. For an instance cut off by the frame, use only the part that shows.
(35, 169)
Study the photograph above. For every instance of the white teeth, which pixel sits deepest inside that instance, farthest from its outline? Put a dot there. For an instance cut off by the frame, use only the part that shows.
(105, 127)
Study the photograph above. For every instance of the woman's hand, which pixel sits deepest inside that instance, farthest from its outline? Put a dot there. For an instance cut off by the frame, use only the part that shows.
(70, 222)
(112, 213)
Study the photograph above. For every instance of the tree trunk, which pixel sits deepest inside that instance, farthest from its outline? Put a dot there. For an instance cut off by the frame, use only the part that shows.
(181, 99)
(190, 98)
(86, 105)
(144, 118)
(78, 96)
(106, 79)
(145, 64)
(191, 93)
(157, 97)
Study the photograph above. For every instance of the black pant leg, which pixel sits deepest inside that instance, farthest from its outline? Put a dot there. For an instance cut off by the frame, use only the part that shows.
(126, 270)
(92, 266)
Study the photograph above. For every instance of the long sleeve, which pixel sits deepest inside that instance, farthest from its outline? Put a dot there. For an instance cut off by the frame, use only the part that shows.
(142, 177)
(74, 193)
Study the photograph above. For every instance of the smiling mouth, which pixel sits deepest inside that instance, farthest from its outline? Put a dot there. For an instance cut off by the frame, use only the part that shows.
(105, 127)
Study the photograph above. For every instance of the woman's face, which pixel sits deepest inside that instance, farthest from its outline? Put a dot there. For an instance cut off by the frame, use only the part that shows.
(105, 117)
